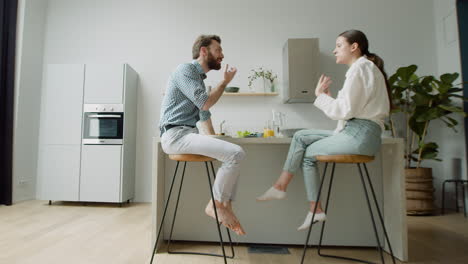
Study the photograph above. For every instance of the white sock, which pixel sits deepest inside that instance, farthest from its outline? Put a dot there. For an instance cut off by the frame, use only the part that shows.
(272, 194)
(319, 217)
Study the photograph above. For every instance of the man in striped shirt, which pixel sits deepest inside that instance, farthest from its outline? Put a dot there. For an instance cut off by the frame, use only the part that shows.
(186, 102)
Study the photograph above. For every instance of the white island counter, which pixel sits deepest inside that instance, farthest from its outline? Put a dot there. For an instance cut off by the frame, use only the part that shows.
(276, 222)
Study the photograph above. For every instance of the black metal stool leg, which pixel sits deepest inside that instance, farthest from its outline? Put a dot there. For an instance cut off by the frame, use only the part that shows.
(164, 214)
(456, 197)
(313, 213)
(322, 231)
(464, 202)
(326, 211)
(371, 214)
(227, 229)
(175, 214)
(379, 213)
(216, 214)
(443, 197)
(175, 211)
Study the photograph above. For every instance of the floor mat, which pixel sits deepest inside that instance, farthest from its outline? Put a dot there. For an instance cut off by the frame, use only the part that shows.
(266, 249)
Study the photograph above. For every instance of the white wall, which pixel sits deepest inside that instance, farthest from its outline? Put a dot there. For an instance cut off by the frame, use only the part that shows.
(155, 36)
(448, 60)
(30, 38)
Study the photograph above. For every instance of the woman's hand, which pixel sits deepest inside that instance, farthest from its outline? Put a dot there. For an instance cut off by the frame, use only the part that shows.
(322, 85)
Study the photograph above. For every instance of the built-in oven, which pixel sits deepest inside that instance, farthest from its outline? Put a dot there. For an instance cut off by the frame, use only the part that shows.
(103, 124)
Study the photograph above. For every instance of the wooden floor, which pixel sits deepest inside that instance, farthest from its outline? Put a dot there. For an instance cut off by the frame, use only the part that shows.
(33, 232)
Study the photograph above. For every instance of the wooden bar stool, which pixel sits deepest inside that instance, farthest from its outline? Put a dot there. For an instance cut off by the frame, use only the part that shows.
(358, 160)
(191, 158)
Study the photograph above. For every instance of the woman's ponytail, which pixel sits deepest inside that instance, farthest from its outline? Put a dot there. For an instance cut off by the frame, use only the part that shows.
(380, 64)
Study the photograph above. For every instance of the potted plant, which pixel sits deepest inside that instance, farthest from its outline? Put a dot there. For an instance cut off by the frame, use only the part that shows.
(421, 100)
(267, 76)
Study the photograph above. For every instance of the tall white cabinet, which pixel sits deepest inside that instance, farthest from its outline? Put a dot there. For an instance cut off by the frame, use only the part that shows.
(102, 83)
(67, 169)
(60, 132)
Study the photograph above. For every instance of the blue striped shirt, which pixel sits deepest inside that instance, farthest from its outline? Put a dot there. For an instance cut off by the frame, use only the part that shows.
(185, 96)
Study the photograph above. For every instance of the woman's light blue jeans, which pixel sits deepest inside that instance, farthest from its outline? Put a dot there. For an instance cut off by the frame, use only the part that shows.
(360, 136)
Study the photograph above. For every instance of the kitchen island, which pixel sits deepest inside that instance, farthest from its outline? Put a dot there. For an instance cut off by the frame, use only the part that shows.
(276, 222)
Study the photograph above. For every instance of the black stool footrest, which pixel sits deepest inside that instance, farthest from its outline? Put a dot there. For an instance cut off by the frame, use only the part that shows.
(200, 253)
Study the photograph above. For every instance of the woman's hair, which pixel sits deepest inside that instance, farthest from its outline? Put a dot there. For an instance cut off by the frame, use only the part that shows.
(356, 36)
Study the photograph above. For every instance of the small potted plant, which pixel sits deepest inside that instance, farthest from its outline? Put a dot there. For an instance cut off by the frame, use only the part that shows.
(421, 100)
(267, 76)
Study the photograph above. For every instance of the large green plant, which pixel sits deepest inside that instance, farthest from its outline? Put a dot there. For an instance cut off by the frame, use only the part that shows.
(421, 100)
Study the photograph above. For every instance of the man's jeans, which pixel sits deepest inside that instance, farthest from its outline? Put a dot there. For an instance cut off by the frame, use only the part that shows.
(186, 140)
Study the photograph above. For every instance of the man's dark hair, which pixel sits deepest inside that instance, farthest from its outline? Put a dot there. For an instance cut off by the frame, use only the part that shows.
(203, 41)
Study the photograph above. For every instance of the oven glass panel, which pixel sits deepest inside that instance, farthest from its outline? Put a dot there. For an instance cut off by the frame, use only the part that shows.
(103, 126)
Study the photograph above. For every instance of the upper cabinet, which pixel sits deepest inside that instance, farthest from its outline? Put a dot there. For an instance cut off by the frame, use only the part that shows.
(300, 70)
(104, 84)
(62, 104)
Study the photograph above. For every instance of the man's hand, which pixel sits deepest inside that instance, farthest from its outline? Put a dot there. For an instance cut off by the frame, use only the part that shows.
(322, 85)
(216, 93)
(229, 74)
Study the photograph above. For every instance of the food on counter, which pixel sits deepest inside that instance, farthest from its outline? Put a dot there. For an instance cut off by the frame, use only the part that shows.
(244, 134)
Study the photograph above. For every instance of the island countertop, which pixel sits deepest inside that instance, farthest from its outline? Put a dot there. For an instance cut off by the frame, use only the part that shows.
(260, 168)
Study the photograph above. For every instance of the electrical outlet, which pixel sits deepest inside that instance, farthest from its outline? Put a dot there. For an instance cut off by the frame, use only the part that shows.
(23, 181)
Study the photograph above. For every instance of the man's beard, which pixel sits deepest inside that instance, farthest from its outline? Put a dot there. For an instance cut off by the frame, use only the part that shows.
(213, 63)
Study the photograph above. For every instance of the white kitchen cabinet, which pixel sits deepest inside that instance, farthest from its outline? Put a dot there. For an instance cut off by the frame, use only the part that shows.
(101, 173)
(68, 170)
(62, 104)
(59, 172)
(104, 84)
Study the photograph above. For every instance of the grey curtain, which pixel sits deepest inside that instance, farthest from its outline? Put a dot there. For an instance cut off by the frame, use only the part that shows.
(462, 14)
(8, 15)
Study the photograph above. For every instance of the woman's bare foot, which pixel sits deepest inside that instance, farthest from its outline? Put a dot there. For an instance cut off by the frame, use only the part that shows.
(272, 194)
(319, 207)
(283, 181)
(225, 216)
(319, 216)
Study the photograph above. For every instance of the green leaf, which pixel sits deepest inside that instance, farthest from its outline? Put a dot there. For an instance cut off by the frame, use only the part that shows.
(459, 96)
(430, 145)
(426, 81)
(443, 87)
(405, 73)
(430, 114)
(455, 90)
(453, 121)
(451, 108)
(392, 79)
(421, 99)
(402, 83)
(429, 155)
(417, 127)
(448, 78)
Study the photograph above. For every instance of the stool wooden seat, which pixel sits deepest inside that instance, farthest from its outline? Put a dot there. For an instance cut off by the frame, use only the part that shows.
(190, 158)
(345, 158)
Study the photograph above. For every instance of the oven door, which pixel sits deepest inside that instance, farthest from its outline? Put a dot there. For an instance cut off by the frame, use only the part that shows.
(103, 128)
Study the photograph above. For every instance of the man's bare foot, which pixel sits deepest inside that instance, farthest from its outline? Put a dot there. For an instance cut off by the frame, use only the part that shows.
(225, 216)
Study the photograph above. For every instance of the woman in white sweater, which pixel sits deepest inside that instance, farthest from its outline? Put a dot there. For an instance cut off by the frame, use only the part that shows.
(360, 107)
